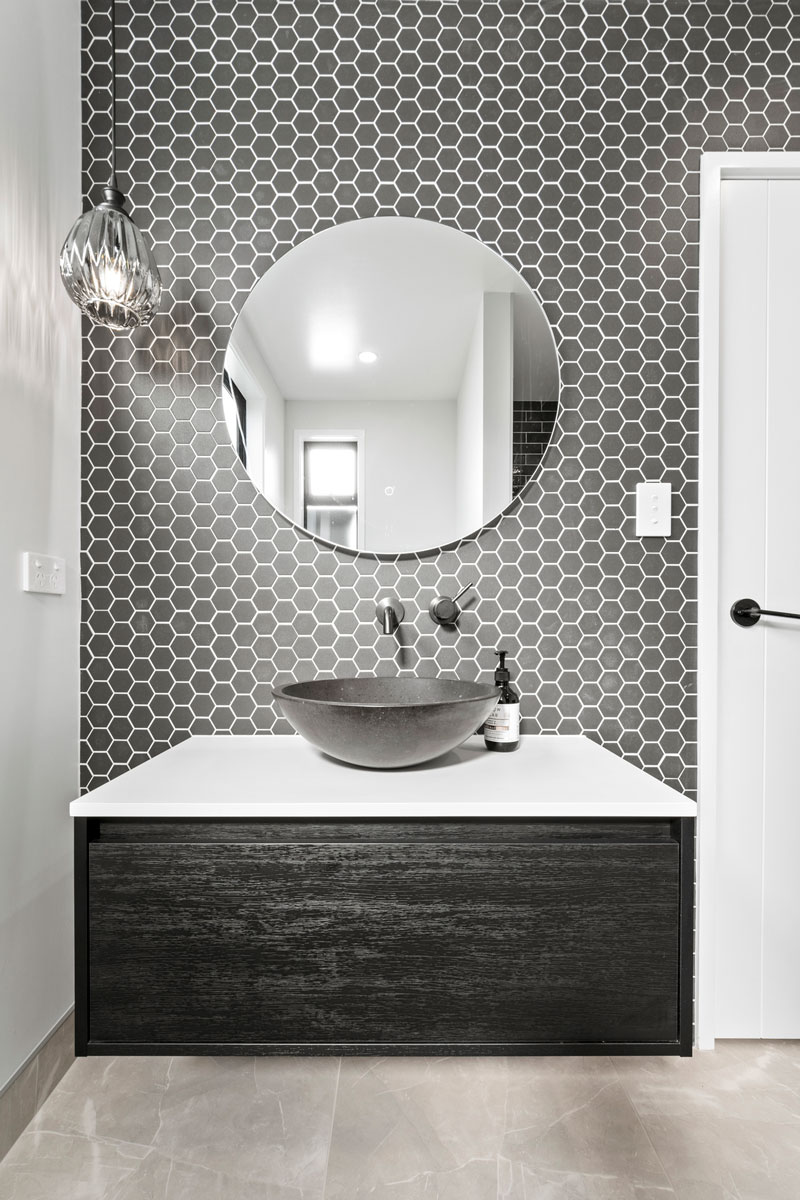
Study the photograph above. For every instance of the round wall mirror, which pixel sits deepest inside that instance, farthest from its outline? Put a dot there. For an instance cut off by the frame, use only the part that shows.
(391, 385)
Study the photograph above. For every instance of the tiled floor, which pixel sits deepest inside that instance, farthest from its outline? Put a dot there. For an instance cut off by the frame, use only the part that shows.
(721, 1126)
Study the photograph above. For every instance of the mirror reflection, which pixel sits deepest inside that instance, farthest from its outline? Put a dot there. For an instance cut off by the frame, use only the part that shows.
(391, 385)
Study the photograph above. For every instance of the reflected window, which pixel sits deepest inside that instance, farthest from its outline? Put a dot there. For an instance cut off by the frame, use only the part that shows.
(330, 489)
(234, 407)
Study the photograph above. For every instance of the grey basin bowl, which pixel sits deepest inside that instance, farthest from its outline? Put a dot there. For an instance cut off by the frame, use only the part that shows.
(386, 722)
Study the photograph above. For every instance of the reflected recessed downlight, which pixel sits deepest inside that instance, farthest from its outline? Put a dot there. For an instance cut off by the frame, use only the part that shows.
(368, 356)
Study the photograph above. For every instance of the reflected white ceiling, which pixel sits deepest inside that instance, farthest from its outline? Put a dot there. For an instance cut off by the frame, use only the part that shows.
(408, 290)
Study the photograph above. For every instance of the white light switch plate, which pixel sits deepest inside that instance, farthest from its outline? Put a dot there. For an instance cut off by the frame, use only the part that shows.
(653, 509)
(43, 573)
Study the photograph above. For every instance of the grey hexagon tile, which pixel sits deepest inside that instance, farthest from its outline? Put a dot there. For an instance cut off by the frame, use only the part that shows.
(567, 137)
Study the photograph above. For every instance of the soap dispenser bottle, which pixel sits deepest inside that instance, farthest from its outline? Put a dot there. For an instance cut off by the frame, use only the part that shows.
(501, 731)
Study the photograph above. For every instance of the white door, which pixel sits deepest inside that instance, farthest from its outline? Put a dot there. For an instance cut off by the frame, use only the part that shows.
(758, 806)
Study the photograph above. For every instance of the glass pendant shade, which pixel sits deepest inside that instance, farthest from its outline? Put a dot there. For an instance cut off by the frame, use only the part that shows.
(108, 269)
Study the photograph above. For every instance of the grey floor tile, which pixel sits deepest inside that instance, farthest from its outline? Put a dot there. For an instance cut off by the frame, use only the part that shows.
(266, 1120)
(790, 1050)
(58, 1166)
(743, 1080)
(722, 1126)
(729, 1159)
(572, 1115)
(534, 1184)
(116, 1099)
(250, 1120)
(162, 1178)
(410, 1123)
(475, 1180)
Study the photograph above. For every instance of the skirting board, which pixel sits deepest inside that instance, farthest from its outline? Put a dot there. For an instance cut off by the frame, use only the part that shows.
(26, 1092)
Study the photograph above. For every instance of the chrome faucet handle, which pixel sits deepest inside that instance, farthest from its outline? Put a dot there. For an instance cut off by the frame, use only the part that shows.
(445, 611)
(389, 612)
(465, 588)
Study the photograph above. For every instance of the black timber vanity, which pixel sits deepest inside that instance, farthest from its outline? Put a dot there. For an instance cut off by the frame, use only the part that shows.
(249, 896)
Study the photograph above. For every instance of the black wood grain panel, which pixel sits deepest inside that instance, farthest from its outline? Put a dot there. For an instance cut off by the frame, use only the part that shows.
(380, 943)
(357, 830)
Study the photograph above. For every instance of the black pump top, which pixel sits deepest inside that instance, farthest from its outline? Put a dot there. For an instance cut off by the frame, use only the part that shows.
(502, 673)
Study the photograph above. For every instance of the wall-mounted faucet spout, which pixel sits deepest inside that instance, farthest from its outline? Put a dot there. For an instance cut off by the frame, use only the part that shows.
(389, 612)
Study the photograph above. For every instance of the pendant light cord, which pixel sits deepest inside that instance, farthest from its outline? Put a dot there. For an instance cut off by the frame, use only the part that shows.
(113, 15)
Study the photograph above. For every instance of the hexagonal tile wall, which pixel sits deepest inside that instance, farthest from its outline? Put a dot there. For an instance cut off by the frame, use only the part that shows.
(566, 136)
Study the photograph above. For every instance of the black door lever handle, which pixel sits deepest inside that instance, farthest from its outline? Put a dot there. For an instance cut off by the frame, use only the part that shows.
(749, 612)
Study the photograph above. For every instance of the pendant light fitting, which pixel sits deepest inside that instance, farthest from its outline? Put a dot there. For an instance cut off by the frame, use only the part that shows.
(106, 265)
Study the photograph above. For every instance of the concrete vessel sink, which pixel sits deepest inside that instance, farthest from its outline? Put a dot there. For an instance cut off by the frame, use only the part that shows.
(396, 722)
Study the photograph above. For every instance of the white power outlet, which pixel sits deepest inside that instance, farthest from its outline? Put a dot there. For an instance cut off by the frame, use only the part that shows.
(43, 573)
(653, 509)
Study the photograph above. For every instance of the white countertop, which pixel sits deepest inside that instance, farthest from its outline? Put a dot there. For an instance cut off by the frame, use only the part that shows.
(284, 776)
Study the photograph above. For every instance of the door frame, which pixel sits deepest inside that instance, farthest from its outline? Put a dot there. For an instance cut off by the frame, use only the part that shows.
(714, 168)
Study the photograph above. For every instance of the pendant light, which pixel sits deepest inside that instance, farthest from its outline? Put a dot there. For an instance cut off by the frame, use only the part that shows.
(106, 266)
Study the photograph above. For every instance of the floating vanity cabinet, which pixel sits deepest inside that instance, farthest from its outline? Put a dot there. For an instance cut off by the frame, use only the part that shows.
(391, 934)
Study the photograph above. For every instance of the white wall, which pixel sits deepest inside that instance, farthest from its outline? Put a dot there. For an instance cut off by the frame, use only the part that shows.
(39, 492)
(409, 447)
(469, 434)
(485, 412)
(498, 402)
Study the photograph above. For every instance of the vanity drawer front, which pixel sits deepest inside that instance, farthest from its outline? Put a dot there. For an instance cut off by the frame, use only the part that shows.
(364, 943)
